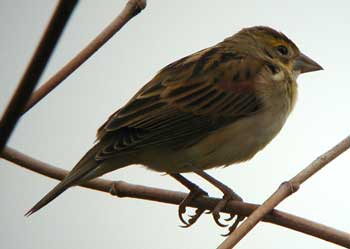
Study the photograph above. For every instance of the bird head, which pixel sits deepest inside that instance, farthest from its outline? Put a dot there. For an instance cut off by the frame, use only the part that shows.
(277, 48)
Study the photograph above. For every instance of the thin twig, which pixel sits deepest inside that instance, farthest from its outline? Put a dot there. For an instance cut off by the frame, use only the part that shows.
(285, 189)
(35, 68)
(132, 8)
(123, 189)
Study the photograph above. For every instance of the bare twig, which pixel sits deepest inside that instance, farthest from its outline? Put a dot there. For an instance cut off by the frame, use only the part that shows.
(285, 189)
(35, 68)
(123, 189)
(132, 8)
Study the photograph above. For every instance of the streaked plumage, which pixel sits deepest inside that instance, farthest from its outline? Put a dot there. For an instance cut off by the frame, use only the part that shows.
(215, 107)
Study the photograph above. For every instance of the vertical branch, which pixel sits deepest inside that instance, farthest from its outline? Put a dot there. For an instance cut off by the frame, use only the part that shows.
(35, 68)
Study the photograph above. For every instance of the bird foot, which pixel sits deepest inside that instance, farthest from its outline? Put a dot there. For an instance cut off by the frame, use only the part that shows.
(229, 195)
(194, 193)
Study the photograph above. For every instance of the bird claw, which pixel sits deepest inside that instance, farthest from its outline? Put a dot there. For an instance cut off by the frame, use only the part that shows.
(194, 193)
(228, 196)
(181, 211)
(216, 217)
(234, 225)
(231, 217)
(193, 218)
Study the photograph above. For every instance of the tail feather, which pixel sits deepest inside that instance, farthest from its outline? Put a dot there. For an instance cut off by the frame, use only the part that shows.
(86, 169)
(77, 175)
(70, 180)
(56, 191)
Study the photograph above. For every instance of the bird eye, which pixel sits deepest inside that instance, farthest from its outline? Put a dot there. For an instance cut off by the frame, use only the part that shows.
(283, 50)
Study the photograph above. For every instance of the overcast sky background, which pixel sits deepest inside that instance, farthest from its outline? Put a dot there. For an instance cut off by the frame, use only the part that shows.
(62, 127)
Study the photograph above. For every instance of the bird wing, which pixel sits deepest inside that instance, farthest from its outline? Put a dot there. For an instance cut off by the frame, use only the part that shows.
(184, 102)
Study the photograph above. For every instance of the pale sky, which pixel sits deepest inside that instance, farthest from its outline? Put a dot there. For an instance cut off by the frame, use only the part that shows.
(62, 128)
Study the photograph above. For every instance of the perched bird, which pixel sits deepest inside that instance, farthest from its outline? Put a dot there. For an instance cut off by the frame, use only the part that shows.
(213, 108)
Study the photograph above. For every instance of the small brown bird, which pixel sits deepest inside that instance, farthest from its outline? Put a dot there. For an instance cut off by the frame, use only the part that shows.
(213, 108)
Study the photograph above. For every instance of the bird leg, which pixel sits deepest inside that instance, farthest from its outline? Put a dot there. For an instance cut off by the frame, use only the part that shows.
(229, 195)
(195, 191)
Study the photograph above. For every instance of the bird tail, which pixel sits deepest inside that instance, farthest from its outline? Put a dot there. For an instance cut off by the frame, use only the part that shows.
(83, 171)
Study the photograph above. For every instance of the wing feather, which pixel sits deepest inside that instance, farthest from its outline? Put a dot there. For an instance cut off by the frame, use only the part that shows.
(184, 102)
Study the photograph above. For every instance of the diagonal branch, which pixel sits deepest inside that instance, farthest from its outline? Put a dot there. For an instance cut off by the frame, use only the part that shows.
(132, 8)
(285, 190)
(123, 189)
(35, 68)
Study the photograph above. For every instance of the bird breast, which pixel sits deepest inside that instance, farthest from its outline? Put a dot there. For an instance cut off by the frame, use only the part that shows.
(234, 143)
(241, 140)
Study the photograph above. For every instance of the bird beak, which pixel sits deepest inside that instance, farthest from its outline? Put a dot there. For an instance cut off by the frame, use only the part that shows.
(305, 64)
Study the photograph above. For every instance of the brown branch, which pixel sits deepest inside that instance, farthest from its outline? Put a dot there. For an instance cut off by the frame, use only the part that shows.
(132, 8)
(285, 190)
(123, 189)
(35, 68)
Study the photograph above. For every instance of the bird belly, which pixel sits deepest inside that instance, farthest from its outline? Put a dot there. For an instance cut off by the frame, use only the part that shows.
(237, 142)
(234, 143)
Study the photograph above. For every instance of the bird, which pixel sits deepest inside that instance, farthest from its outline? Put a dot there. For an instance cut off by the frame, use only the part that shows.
(213, 108)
